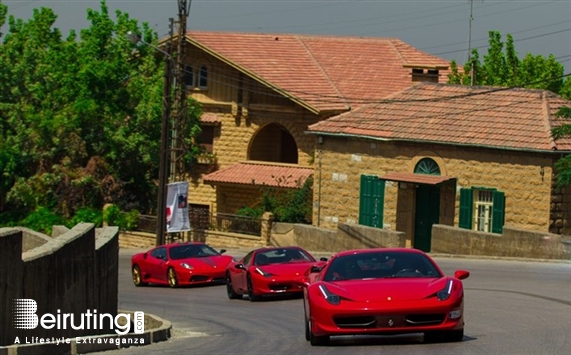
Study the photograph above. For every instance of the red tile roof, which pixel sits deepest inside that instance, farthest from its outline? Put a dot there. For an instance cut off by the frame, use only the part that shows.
(210, 118)
(261, 173)
(503, 118)
(323, 72)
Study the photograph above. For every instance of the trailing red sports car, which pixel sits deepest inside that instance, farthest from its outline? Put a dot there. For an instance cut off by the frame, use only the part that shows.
(179, 264)
(269, 271)
(383, 291)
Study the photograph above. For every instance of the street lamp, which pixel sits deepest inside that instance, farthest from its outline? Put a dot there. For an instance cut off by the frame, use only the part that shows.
(164, 149)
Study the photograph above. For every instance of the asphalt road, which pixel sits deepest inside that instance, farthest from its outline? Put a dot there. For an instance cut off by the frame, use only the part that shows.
(511, 307)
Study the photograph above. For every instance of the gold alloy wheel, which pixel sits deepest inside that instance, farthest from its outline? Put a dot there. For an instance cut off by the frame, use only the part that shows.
(172, 278)
(136, 275)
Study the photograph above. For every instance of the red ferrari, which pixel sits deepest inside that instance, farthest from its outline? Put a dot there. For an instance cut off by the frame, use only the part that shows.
(383, 291)
(179, 264)
(269, 271)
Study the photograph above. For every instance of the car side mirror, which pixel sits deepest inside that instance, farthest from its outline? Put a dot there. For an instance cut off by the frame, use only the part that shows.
(461, 274)
(314, 269)
(322, 259)
(240, 266)
(222, 251)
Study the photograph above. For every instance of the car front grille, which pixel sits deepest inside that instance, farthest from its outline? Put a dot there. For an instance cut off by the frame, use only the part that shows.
(388, 321)
(196, 278)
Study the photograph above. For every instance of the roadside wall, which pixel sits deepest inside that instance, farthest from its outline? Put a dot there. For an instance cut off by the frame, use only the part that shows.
(513, 242)
(73, 273)
(346, 236)
(129, 239)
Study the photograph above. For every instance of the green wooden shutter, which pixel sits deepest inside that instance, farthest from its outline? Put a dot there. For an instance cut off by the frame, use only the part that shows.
(371, 201)
(466, 205)
(498, 210)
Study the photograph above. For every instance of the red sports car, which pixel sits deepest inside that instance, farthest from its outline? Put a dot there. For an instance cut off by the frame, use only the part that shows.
(179, 264)
(269, 271)
(383, 291)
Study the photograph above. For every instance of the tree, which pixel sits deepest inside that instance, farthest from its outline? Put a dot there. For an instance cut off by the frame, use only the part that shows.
(287, 205)
(502, 67)
(80, 117)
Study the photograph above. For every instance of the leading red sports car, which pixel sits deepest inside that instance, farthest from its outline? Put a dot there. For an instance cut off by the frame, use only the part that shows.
(269, 271)
(383, 291)
(179, 264)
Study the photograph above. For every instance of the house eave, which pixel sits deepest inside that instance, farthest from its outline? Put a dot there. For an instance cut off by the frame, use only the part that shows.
(381, 139)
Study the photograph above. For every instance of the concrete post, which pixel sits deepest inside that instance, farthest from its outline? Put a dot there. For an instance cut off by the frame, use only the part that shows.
(266, 232)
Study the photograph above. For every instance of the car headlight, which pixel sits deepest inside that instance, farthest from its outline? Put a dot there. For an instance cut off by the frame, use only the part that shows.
(445, 293)
(186, 266)
(329, 296)
(263, 273)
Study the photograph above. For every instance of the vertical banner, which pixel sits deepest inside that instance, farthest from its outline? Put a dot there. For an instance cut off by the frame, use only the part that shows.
(177, 207)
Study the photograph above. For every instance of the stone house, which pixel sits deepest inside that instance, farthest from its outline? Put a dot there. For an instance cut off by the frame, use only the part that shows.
(260, 92)
(479, 158)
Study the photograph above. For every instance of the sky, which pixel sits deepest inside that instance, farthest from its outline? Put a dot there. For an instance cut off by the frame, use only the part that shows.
(442, 28)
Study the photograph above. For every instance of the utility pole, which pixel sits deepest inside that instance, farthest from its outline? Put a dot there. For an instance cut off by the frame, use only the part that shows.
(470, 44)
(165, 146)
(179, 113)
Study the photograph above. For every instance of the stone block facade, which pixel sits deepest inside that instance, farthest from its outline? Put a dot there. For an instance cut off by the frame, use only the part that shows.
(525, 178)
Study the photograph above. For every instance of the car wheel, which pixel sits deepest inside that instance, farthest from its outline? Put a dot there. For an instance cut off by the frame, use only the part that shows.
(230, 289)
(171, 276)
(315, 340)
(253, 298)
(137, 277)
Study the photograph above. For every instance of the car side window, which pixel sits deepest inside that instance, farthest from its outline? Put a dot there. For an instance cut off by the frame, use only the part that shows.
(159, 253)
(247, 258)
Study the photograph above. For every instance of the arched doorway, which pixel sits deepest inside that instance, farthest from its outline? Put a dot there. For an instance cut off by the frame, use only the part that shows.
(427, 209)
(273, 142)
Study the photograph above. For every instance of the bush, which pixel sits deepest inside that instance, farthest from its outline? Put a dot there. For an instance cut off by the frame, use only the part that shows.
(113, 216)
(87, 215)
(42, 220)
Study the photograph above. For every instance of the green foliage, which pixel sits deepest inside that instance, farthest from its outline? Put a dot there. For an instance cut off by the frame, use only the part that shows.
(287, 205)
(80, 117)
(502, 67)
(113, 216)
(87, 215)
(563, 165)
(42, 220)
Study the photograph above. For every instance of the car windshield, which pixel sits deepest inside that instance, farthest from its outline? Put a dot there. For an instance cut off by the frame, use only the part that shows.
(278, 256)
(376, 265)
(191, 251)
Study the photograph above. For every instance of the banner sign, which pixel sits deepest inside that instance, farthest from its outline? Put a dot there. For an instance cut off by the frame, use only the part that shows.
(177, 207)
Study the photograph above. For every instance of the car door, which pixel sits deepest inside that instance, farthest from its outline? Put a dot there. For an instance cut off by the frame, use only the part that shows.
(156, 262)
(240, 275)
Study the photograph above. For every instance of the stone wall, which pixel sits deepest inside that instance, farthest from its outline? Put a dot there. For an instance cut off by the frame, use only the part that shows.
(344, 238)
(128, 239)
(513, 242)
(73, 273)
(524, 177)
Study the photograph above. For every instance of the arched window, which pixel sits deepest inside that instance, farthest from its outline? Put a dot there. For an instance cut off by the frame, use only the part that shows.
(188, 76)
(427, 166)
(203, 77)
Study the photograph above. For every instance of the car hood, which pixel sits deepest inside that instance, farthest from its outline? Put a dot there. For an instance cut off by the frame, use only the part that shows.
(211, 262)
(286, 269)
(394, 289)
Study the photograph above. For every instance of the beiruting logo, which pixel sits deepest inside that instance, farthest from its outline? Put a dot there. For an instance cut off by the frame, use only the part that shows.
(25, 317)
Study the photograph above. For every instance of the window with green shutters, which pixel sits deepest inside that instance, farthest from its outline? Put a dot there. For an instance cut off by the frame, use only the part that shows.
(371, 201)
(482, 209)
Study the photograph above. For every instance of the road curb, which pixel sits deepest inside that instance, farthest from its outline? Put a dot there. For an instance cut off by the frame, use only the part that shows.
(96, 343)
